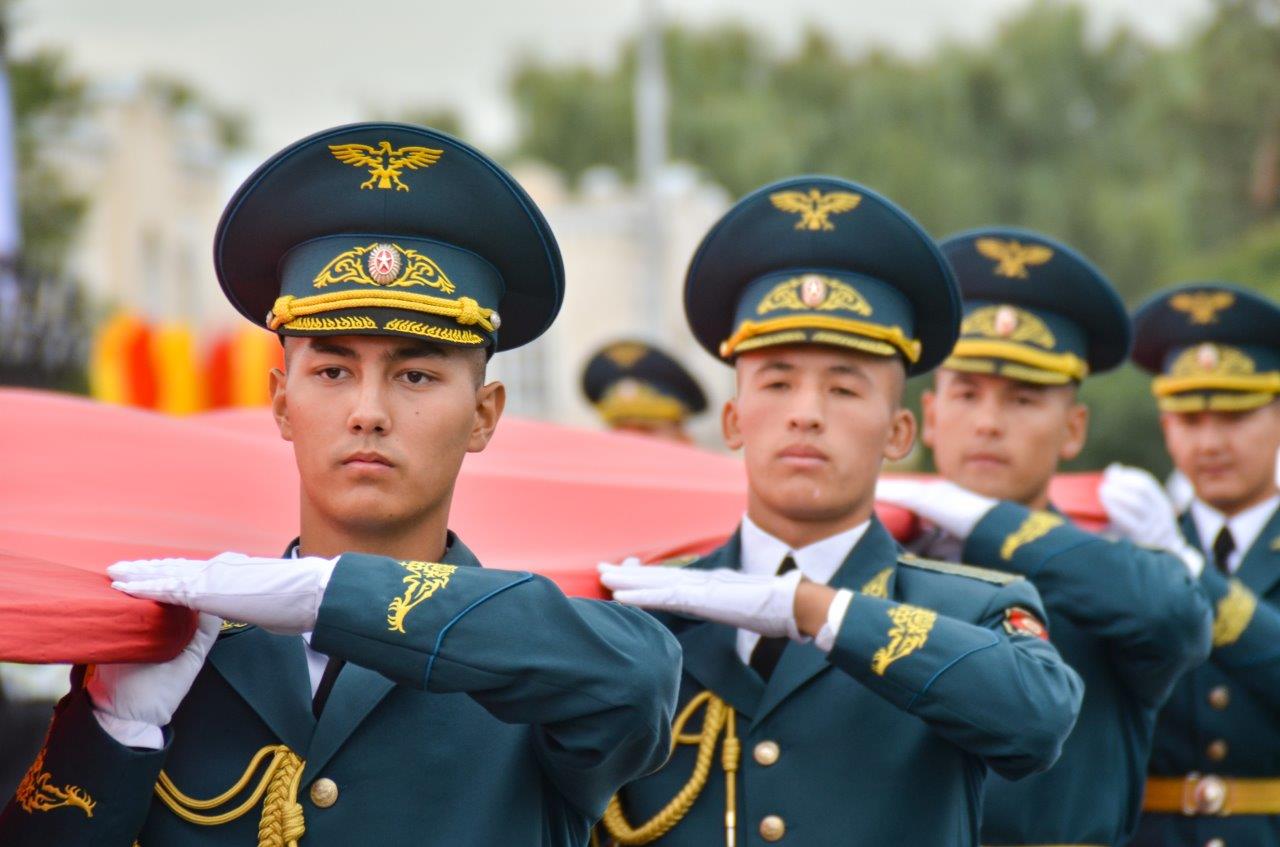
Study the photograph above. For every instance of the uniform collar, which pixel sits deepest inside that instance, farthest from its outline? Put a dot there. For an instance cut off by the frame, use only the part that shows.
(1245, 526)
(762, 552)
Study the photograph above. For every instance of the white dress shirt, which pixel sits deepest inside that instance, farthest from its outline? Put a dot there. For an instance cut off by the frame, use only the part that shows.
(1245, 526)
(818, 562)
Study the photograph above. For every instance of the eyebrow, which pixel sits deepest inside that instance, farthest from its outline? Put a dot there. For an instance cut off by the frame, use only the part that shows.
(776, 365)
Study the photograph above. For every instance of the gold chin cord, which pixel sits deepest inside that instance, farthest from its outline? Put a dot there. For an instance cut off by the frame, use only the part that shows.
(281, 824)
(719, 718)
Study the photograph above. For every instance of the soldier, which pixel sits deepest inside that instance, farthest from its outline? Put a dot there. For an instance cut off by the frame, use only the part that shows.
(1003, 413)
(869, 692)
(375, 685)
(635, 387)
(1215, 767)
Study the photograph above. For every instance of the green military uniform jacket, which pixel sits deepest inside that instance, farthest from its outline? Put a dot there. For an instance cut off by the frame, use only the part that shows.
(1130, 621)
(886, 739)
(1223, 717)
(479, 707)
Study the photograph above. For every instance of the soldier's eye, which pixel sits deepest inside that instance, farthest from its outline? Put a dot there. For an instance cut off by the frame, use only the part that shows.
(417, 377)
(331, 373)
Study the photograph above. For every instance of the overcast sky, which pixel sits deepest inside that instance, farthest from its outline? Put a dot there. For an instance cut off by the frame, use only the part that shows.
(297, 67)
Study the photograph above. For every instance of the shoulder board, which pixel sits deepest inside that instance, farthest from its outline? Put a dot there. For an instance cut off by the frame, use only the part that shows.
(937, 566)
(231, 628)
(679, 561)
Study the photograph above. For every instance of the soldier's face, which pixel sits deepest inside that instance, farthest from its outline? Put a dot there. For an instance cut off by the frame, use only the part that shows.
(380, 426)
(1000, 437)
(1229, 457)
(815, 424)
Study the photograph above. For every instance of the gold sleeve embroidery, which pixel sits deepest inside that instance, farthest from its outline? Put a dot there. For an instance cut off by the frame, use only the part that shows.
(1233, 614)
(878, 585)
(36, 794)
(1036, 526)
(910, 631)
(424, 580)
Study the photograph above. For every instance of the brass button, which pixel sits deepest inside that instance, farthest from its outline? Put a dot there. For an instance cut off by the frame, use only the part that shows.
(1215, 842)
(1219, 697)
(1210, 795)
(772, 828)
(766, 753)
(1217, 750)
(324, 792)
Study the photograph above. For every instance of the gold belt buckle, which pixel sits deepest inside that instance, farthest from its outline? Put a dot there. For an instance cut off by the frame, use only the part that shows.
(1203, 795)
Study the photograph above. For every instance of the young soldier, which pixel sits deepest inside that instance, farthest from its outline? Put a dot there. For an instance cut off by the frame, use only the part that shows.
(376, 685)
(1215, 767)
(1003, 413)
(868, 691)
(635, 387)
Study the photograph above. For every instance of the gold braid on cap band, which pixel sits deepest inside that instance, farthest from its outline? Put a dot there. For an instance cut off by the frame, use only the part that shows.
(464, 310)
(718, 717)
(1269, 383)
(644, 404)
(281, 824)
(909, 347)
(1067, 364)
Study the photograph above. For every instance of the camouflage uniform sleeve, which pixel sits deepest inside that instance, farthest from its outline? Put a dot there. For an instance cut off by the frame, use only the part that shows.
(1246, 635)
(596, 680)
(999, 693)
(83, 788)
(1142, 602)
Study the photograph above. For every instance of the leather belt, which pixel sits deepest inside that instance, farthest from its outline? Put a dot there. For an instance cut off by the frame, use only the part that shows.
(1206, 794)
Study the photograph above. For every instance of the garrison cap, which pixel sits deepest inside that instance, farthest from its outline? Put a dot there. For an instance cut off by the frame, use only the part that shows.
(1212, 346)
(630, 380)
(1034, 309)
(389, 229)
(822, 260)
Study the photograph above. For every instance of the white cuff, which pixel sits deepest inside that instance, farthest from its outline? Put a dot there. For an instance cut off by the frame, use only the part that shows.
(1193, 559)
(130, 733)
(826, 637)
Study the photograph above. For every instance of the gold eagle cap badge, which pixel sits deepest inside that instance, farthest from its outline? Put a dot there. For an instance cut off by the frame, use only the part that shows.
(1012, 257)
(814, 207)
(1202, 307)
(384, 162)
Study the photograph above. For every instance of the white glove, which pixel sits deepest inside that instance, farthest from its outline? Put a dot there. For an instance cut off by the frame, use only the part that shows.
(133, 701)
(279, 595)
(956, 510)
(1140, 511)
(763, 604)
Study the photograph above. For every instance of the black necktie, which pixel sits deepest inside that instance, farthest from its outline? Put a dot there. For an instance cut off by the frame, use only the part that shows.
(327, 680)
(1223, 546)
(764, 658)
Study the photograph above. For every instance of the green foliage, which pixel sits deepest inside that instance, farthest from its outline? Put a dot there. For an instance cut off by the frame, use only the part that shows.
(47, 99)
(1153, 161)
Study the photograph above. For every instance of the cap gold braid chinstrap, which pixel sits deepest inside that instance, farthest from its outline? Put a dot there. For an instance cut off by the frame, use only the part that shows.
(718, 717)
(909, 347)
(464, 310)
(1067, 364)
(282, 822)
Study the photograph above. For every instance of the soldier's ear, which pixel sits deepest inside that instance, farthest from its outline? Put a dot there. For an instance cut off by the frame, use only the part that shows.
(729, 425)
(491, 399)
(1077, 431)
(927, 420)
(279, 406)
(902, 434)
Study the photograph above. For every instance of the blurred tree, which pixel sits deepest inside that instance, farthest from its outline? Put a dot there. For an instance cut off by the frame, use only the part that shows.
(1147, 159)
